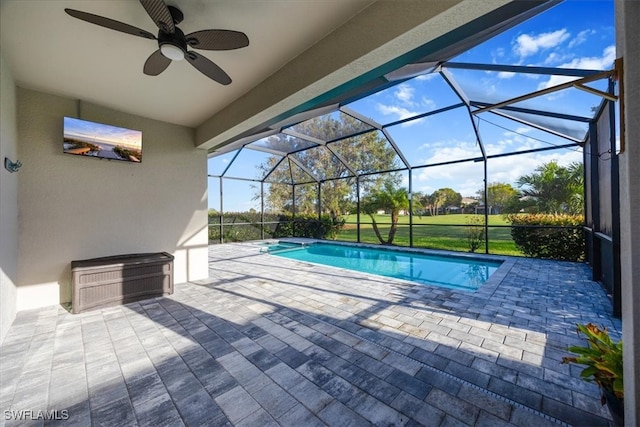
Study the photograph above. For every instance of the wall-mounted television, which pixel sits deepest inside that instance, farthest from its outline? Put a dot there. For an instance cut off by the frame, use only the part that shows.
(101, 141)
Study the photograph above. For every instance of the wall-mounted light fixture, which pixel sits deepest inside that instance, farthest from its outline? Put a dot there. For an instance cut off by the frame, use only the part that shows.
(11, 166)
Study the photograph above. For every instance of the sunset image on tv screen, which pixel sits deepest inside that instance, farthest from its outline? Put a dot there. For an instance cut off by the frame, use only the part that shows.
(103, 141)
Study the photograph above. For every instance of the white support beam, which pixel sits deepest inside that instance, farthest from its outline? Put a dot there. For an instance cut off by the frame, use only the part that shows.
(556, 88)
(627, 42)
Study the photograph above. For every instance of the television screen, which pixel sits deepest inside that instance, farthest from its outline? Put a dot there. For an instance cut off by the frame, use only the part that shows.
(102, 141)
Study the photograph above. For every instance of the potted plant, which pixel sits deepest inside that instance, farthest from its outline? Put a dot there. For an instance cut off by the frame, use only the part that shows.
(602, 359)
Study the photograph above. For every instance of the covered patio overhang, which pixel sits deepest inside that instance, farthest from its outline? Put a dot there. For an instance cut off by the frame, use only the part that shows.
(356, 57)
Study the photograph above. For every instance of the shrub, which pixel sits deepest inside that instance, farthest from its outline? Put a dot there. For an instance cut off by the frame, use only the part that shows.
(550, 243)
(475, 232)
(244, 226)
(602, 359)
(308, 226)
(238, 226)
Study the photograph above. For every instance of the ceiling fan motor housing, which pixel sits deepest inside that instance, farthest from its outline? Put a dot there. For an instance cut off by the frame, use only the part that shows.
(176, 39)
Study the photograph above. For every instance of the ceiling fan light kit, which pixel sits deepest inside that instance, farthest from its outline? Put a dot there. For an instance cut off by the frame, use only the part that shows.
(172, 52)
(172, 42)
(173, 46)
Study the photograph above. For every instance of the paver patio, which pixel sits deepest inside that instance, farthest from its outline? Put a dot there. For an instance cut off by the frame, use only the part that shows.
(270, 341)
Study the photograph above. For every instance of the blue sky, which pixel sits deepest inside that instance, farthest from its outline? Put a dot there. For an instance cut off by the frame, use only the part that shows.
(573, 34)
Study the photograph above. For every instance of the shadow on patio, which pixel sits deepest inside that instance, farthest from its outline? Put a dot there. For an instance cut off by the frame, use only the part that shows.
(271, 341)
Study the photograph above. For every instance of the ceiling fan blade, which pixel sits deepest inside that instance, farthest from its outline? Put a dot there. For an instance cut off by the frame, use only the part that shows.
(110, 23)
(156, 63)
(217, 40)
(159, 13)
(208, 68)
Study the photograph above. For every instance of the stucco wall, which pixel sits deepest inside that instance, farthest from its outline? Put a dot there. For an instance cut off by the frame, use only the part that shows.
(8, 200)
(74, 207)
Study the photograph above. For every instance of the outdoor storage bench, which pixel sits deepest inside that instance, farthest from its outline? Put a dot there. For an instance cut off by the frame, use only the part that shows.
(113, 280)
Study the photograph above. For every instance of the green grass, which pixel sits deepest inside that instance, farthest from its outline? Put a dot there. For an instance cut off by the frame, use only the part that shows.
(453, 219)
(429, 232)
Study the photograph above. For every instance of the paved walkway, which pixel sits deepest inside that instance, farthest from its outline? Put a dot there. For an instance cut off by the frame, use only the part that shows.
(270, 341)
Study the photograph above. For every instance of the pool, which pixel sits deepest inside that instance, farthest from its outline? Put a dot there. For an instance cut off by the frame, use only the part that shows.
(463, 273)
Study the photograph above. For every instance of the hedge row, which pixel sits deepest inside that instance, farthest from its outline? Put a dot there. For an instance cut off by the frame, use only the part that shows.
(551, 243)
(244, 226)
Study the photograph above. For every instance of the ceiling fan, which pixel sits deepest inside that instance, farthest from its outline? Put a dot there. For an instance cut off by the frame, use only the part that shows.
(172, 42)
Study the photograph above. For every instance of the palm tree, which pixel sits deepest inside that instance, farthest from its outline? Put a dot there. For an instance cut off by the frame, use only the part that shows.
(388, 198)
(417, 205)
(434, 201)
(576, 182)
(555, 188)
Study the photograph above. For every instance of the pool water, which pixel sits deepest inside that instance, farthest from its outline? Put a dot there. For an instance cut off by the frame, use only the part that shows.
(448, 271)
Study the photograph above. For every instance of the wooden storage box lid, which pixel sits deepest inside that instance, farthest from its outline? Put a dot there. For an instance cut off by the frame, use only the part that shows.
(128, 259)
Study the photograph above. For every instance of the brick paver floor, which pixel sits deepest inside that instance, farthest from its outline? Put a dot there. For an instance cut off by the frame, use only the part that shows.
(270, 341)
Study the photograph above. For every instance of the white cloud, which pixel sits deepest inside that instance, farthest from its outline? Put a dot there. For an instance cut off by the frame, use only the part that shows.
(461, 176)
(509, 169)
(526, 45)
(404, 93)
(426, 77)
(512, 142)
(505, 74)
(554, 81)
(484, 88)
(498, 53)
(555, 58)
(517, 134)
(405, 106)
(604, 62)
(446, 151)
(400, 113)
(429, 104)
(580, 38)
(466, 178)
(531, 76)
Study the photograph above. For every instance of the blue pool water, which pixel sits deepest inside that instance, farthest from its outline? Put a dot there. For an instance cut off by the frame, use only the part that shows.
(450, 272)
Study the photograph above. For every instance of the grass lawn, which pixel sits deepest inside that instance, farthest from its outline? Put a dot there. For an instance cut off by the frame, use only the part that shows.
(447, 232)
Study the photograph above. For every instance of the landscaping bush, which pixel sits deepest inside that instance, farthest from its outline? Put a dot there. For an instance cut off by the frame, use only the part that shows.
(550, 243)
(475, 232)
(238, 226)
(244, 226)
(308, 226)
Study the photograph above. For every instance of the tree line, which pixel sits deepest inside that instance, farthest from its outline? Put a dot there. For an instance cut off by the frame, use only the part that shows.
(550, 188)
